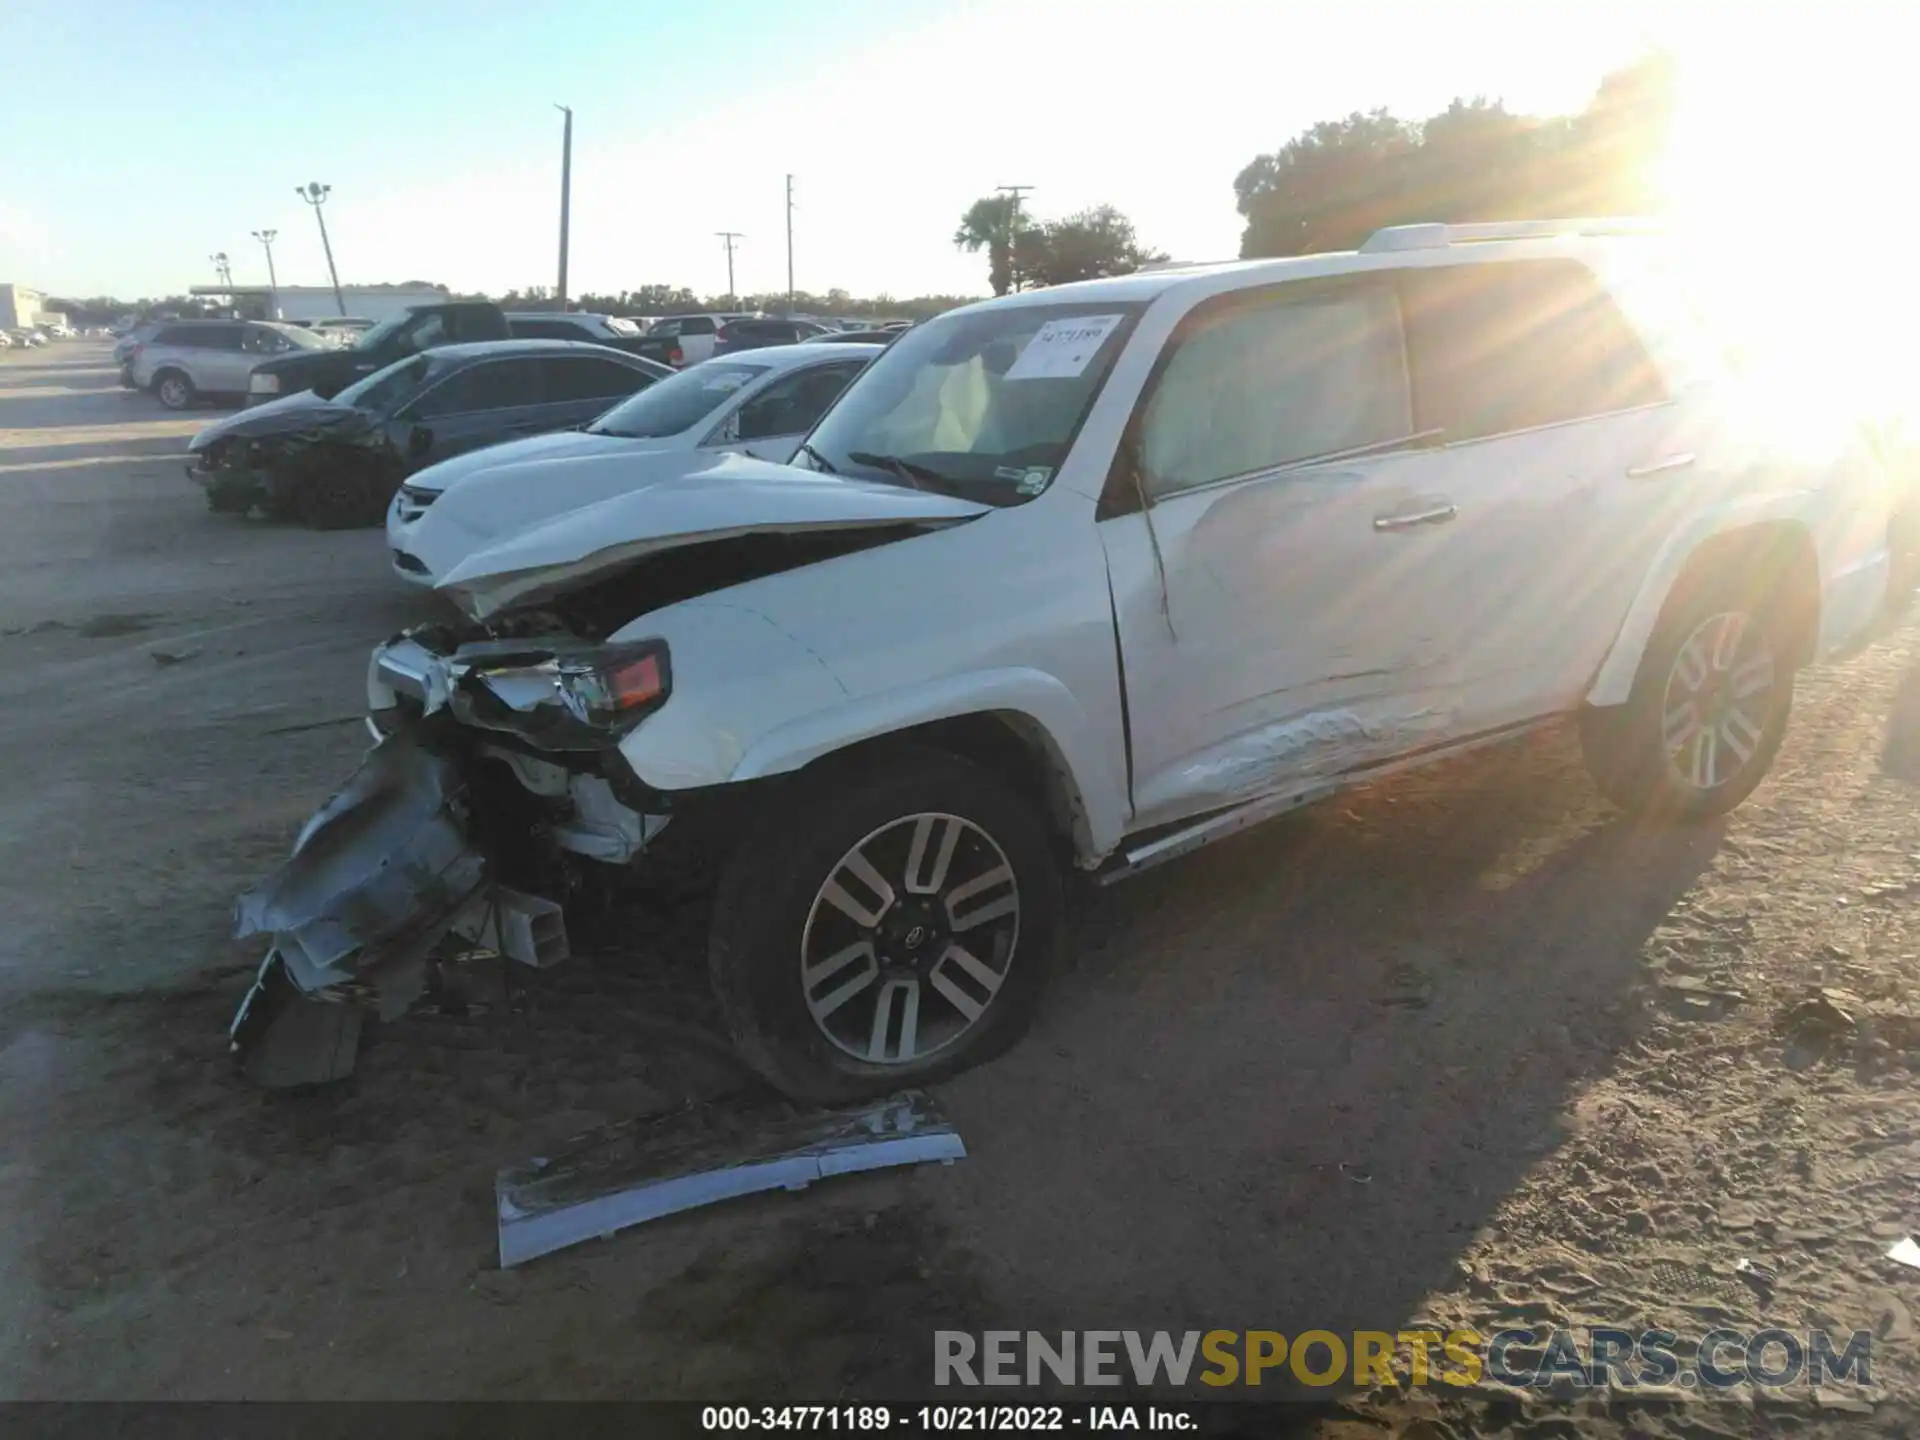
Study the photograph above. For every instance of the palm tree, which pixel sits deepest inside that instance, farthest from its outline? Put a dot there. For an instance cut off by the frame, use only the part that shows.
(988, 225)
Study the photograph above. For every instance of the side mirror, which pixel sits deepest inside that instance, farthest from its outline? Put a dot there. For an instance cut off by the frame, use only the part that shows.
(419, 441)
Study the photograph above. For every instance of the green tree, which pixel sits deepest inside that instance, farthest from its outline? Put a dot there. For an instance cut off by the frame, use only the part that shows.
(989, 225)
(1331, 186)
(1085, 246)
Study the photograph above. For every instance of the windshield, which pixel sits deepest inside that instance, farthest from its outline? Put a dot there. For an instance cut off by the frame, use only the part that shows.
(385, 390)
(983, 402)
(677, 404)
(380, 334)
(300, 339)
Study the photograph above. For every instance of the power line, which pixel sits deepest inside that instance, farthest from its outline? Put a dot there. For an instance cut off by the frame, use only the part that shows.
(730, 236)
(566, 194)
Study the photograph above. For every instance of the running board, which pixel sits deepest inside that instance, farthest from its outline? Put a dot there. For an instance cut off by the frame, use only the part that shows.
(1222, 823)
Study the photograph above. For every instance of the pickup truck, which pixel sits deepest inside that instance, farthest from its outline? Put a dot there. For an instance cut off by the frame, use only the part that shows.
(1068, 584)
(419, 327)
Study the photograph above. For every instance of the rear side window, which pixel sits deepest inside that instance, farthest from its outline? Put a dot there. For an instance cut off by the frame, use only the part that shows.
(576, 378)
(1501, 347)
(695, 325)
(1300, 372)
(490, 385)
(201, 337)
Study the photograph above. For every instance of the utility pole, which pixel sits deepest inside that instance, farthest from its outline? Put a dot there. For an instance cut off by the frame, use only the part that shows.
(315, 194)
(266, 238)
(730, 236)
(1014, 192)
(566, 195)
(789, 242)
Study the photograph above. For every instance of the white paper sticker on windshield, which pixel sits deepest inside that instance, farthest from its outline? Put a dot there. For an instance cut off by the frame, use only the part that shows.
(1061, 349)
(724, 383)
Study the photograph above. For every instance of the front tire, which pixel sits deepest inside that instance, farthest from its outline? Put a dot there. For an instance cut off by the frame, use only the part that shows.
(174, 390)
(891, 922)
(340, 497)
(1707, 711)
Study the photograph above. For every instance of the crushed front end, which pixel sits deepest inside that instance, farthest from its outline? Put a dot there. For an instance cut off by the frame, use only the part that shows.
(494, 795)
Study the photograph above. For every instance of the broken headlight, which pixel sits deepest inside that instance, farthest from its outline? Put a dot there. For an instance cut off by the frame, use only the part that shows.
(569, 702)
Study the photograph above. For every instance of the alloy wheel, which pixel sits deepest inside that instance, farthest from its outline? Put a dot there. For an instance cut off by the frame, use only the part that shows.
(1718, 699)
(910, 938)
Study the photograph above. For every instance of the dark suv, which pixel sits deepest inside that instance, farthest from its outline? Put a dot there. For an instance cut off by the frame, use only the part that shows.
(738, 335)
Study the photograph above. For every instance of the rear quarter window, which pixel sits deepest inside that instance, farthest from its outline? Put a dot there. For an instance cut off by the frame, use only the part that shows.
(1511, 345)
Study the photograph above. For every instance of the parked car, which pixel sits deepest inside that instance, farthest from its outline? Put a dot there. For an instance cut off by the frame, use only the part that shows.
(193, 360)
(1104, 572)
(615, 331)
(856, 337)
(6, 341)
(326, 370)
(757, 333)
(762, 407)
(336, 463)
(28, 337)
(693, 333)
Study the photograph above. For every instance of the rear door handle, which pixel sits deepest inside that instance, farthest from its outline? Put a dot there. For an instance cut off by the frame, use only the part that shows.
(1660, 466)
(1437, 513)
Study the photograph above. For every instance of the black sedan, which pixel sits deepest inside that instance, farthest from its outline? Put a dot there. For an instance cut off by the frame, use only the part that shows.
(336, 463)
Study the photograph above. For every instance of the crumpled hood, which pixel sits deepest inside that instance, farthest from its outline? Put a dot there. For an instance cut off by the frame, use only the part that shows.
(285, 416)
(669, 508)
(560, 445)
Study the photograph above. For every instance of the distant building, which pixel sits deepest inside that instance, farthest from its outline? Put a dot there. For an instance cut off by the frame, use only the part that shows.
(21, 308)
(317, 302)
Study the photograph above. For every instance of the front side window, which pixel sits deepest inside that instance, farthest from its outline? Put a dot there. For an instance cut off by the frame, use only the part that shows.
(490, 385)
(792, 404)
(679, 403)
(985, 401)
(1250, 385)
(1515, 344)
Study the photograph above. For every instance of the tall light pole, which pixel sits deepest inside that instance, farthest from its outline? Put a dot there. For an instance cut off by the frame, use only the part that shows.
(1013, 192)
(789, 242)
(730, 236)
(315, 194)
(221, 268)
(566, 195)
(266, 238)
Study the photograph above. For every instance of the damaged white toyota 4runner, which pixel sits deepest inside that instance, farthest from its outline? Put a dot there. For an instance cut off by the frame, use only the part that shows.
(1081, 579)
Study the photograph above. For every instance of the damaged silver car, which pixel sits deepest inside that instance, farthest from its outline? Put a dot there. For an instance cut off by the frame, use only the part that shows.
(1081, 579)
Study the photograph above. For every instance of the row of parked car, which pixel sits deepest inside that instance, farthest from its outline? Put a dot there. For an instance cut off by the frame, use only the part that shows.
(893, 643)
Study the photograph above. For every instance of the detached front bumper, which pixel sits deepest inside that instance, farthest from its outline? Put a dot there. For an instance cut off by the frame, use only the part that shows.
(379, 878)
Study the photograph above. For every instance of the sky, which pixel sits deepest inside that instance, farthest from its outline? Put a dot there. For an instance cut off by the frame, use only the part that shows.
(138, 139)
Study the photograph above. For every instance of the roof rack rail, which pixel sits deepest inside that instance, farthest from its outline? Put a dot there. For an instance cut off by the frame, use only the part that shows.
(1435, 236)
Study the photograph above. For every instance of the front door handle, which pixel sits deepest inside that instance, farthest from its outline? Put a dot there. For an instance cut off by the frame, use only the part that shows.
(1438, 513)
(1660, 466)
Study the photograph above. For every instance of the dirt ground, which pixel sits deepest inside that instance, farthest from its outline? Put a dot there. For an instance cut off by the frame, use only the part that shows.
(1464, 1048)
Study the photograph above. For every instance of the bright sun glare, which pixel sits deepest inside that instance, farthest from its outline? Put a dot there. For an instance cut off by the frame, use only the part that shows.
(1788, 179)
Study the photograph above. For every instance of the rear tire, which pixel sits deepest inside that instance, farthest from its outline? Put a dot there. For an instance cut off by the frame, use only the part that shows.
(1708, 708)
(834, 988)
(174, 390)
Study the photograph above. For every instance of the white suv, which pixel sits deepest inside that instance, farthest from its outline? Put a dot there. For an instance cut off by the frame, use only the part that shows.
(1083, 579)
